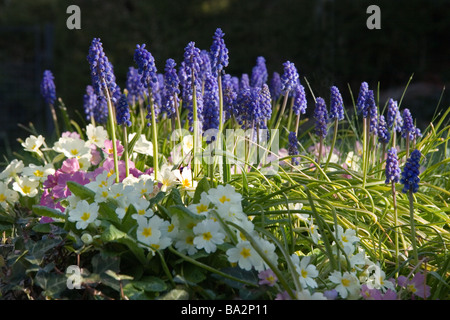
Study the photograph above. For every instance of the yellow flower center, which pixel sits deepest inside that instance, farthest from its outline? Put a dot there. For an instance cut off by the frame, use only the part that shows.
(38, 173)
(143, 191)
(141, 212)
(223, 199)
(411, 288)
(74, 152)
(110, 173)
(207, 236)
(304, 273)
(190, 240)
(186, 183)
(147, 232)
(344, 239)
(170, 228)
(26, 189)
(201, 208)
(2, 197)
(104, 194)
(246, 253)
(85, 216)
(345, 282)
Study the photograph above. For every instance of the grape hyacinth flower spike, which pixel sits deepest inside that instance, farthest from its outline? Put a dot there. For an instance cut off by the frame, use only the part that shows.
(300, 104)
(289, 81)
(48, 92)
(360, 102)
(394, 120)
(293, 148)
(384, 136)
(123, 119)
(320, 116)
(410, 180)
(149, 78)
(170, 99)
(408, 129)
(336, 114)
(392, 173)
(103, 82)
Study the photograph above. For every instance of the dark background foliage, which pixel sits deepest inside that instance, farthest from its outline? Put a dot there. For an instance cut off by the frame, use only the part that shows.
(327, 40)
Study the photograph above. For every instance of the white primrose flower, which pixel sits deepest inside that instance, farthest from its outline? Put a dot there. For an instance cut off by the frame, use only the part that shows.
(187, 143)
(96, 135)
(306, 272)
(26, 187)
(244, 255)
(347, 284)
(201, 208)
(102, 181)
(144, 185)
(148, 231)
(7, 195)
(313, 231)
(307, 295)
(83, 214)
(224, 195)
(38, 173)
(185, 178)
(142, 145)
(347, 239)
(13, 169)
(142, 207)
(33, 143)
(208, 235)
(73, 148)
(184, 242)
(167, 178)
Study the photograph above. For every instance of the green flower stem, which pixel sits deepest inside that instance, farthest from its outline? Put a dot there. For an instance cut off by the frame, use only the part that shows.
(125, 150)
(195, 137)
(283, 107)
(155, 139)
(365, 152)
(413, 227)
(396, 233)
(113, 133)
(333, 142)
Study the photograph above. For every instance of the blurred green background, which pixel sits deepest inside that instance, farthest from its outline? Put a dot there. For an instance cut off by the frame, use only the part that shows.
(327, 40)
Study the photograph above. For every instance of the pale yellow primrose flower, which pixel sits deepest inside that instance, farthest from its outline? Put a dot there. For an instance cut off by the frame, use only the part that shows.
(142, 145)
(26, 187)
(72, 147)
(38, 173)
(96, 135)
(83, 214)
(13, 169)
(7, 195)
(33, 143)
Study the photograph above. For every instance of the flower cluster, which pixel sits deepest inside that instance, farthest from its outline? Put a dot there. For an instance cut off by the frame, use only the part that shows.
(410, 174)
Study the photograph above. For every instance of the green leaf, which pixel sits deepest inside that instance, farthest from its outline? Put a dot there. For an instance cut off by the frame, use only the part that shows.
(176, 197)
(203, 186)
(157, 198)
(112, 234)
(102, 263)
(107, 211)
(44, 211)
(53, 284)
(150, 284)
(80, 191)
